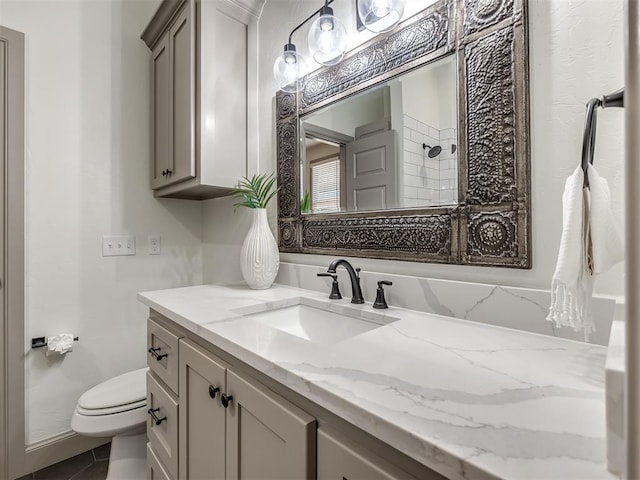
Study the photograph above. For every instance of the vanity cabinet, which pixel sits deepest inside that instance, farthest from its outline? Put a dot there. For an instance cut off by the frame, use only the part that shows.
(221, 419)
(233, 427)
(201, 74)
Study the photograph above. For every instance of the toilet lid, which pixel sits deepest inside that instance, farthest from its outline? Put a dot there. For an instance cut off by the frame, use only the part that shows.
(129, 388)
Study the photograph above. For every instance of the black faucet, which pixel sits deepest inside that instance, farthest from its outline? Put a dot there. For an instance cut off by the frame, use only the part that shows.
(381, 302)
(354, 275)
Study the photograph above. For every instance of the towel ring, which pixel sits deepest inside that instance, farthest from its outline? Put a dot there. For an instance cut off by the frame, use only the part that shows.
(615, 99)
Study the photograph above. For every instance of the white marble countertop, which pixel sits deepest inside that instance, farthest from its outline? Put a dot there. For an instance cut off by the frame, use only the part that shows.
(469, 401)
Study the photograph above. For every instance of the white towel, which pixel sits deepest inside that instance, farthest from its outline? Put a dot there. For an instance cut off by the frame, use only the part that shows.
(590, 245)
(572, 285)
(606, 243)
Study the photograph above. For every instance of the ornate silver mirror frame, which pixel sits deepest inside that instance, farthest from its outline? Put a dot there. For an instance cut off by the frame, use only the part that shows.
(491, 223)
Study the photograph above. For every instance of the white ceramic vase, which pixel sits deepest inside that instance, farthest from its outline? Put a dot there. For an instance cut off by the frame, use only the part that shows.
(259, 257)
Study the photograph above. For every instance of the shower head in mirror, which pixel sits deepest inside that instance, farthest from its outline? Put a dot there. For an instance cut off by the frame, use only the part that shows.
(433, 151)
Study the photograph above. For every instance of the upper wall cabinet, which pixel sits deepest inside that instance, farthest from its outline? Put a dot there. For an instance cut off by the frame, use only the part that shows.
(203, 66)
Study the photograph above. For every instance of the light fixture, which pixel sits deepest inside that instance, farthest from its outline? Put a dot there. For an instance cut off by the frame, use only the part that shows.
(380, 15)
(327, 38)
(289, 68)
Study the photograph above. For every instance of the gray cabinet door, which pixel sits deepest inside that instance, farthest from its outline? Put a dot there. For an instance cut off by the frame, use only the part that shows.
(161, 114)
(341, 459)
(202, 417)
(268, 438)
(182, 95)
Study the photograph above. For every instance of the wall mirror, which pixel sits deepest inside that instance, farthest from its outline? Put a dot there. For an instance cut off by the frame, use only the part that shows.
(391, 146)
(415, 146)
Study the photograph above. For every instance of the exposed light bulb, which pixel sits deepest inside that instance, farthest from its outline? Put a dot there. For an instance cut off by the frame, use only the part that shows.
(289, 59)
(380, 15)
(327, 38)
(381, 8)
(326, 23)
(325, 43)
(289, 68)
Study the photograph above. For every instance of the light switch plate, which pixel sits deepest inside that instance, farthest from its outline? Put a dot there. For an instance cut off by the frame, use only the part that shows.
(118, 245)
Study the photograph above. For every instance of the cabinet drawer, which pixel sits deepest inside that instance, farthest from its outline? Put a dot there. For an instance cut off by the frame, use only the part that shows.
(163, 432)
(162, 351)
(155, 470)
(341, 459)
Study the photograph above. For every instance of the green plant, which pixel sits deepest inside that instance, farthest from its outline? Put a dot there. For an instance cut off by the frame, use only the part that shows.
(305, 203)
(255, 192)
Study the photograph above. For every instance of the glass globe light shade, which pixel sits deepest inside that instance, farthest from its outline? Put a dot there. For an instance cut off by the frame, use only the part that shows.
(380, 15)
(289, 68)
(327, 38)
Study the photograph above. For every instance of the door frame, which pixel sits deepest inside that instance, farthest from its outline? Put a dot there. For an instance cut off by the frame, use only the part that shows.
(309, 130)
(12, 396)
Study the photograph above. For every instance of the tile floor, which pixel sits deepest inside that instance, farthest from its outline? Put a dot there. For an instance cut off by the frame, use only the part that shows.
(91, 465)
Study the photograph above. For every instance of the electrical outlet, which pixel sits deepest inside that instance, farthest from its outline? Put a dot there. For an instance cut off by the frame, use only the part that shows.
(118, 245)
(155, 247)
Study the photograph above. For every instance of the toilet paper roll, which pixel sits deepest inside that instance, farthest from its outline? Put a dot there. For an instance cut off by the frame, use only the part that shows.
(60, 344)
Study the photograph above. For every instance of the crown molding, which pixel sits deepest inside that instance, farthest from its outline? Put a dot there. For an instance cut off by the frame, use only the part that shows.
(252, 7)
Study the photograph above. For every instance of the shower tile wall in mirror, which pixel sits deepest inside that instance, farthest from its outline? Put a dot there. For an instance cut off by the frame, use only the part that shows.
(392, 146)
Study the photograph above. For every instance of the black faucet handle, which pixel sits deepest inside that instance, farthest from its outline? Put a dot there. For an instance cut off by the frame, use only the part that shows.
(335, 288)
(332, 275)
(381, 302)
(357, 269)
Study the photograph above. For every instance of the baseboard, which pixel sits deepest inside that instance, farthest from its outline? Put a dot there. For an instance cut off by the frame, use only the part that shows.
(57, 448)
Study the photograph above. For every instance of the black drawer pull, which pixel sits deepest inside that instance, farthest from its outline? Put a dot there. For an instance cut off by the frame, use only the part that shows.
(152, 412)
(226, 399)
(213, 390)
(154, 352)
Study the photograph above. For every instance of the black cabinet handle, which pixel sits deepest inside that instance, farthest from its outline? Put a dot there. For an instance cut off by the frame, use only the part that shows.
(154, 352)
(166, 173)
(157, 420)
(226, 399)
(213, 390)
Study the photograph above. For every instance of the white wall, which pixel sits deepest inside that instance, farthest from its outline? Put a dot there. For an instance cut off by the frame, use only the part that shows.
(576, 52)
(429, 94)
(224, 229)
(354, 112)
(87, 163)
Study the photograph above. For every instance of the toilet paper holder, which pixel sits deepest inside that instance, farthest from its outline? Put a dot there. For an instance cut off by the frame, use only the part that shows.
(39, 342)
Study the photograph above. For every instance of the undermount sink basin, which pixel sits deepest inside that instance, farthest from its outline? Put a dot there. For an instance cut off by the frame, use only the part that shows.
(316, 321)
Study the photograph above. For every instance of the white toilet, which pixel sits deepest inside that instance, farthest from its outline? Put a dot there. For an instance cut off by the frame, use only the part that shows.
(117, 408)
